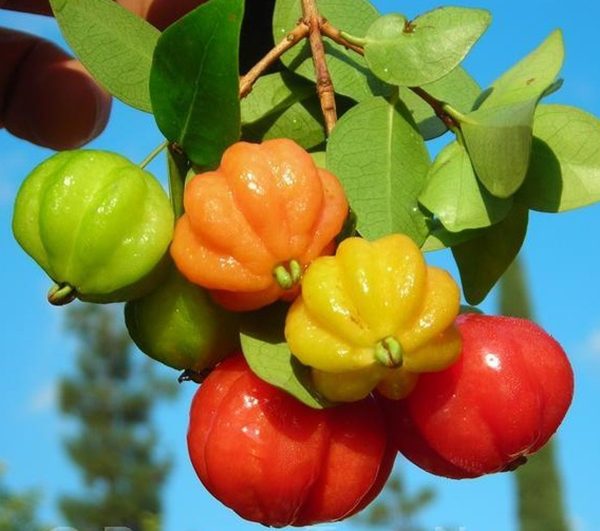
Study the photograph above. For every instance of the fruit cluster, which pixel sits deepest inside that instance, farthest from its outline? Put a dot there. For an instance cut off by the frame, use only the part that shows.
(396, 369)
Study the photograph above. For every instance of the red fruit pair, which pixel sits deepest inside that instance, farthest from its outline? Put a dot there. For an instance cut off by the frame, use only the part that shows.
(276, 461)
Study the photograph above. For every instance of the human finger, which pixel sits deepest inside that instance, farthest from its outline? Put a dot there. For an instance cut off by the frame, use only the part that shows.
(46, 96)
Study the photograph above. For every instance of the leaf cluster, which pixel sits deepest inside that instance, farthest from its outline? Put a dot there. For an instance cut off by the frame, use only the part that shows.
(398, 84)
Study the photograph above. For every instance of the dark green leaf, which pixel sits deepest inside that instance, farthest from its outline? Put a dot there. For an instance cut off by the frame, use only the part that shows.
(301, 122)
(498, 134)
(499, 144)
(194, 83)
(348, 70)
(115, 45)
(421, 51)
(178, 167)
(564, 172)
(458, 89)
(482, 260)
(456, 197)
(269, 357)
(274, 93)
(381, 160)
(348, 228)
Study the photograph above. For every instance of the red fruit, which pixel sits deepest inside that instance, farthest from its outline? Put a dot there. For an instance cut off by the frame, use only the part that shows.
(276, 461)
(501, 401)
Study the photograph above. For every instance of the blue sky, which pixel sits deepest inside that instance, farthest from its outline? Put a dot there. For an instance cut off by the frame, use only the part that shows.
(561, 254)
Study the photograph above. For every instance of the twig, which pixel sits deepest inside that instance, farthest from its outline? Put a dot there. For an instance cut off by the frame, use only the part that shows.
(291, 39)
(336, 36)
(438, 107)
(325, 89)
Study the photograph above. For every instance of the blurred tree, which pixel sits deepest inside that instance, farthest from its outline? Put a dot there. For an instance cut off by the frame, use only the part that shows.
(539, 491)
(395, 509)
(18, 510)
(111, 396)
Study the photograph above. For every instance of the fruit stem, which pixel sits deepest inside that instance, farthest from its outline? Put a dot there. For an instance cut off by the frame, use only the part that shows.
(153, 154)
(389, 352)
(61, 294)
(288, 275)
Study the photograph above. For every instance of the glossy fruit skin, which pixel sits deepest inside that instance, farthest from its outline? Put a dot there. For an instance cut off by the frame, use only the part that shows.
(179, 325)
(95, 221)
(266, 206)
(502, 400)
(368, 294)
(276, 461)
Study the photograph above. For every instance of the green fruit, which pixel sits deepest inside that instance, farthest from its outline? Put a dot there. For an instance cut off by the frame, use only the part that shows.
(179, 325)
(96, 223)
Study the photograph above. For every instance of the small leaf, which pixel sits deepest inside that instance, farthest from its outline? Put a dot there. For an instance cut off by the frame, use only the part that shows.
(457, 88)
(301, 122)
(456, 197)
(348, 70)
(564, 171)
(115, 45)
(498, 134)
(499, 144)
(483, 259)
(381, 160)
(274, 93)
(421, 51)
(194, 83)
(269, 357)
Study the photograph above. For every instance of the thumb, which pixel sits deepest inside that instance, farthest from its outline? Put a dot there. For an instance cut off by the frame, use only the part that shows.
(46, 96)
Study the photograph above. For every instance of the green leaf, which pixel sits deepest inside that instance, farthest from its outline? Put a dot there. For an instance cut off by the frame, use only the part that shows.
(456, 197)
(194, 83)
(498, 134)
(564, 171)
(421, 51)
(531, 76)
(381, 160)
(499, 143)
(319, 158)
(440, 238)
(483, 259)
(178, 167)
(115, 45)
(348, 70)
(457, 88)
(274, 93)
(269, 357)
(301, 122)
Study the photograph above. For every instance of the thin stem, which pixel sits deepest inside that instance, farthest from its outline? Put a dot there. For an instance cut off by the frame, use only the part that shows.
(291, 39)
(439, 107)
(338, 36)
(451, 117)
(153, 154)
(325, 89)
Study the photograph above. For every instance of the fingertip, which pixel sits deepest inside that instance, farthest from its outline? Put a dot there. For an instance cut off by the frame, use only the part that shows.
(54, 102)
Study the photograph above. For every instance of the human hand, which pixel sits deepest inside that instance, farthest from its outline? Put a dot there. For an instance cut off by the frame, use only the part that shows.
(46, 96)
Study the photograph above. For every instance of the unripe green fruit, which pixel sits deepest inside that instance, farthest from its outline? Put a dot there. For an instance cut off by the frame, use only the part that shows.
(179, 325)
(96, 223)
